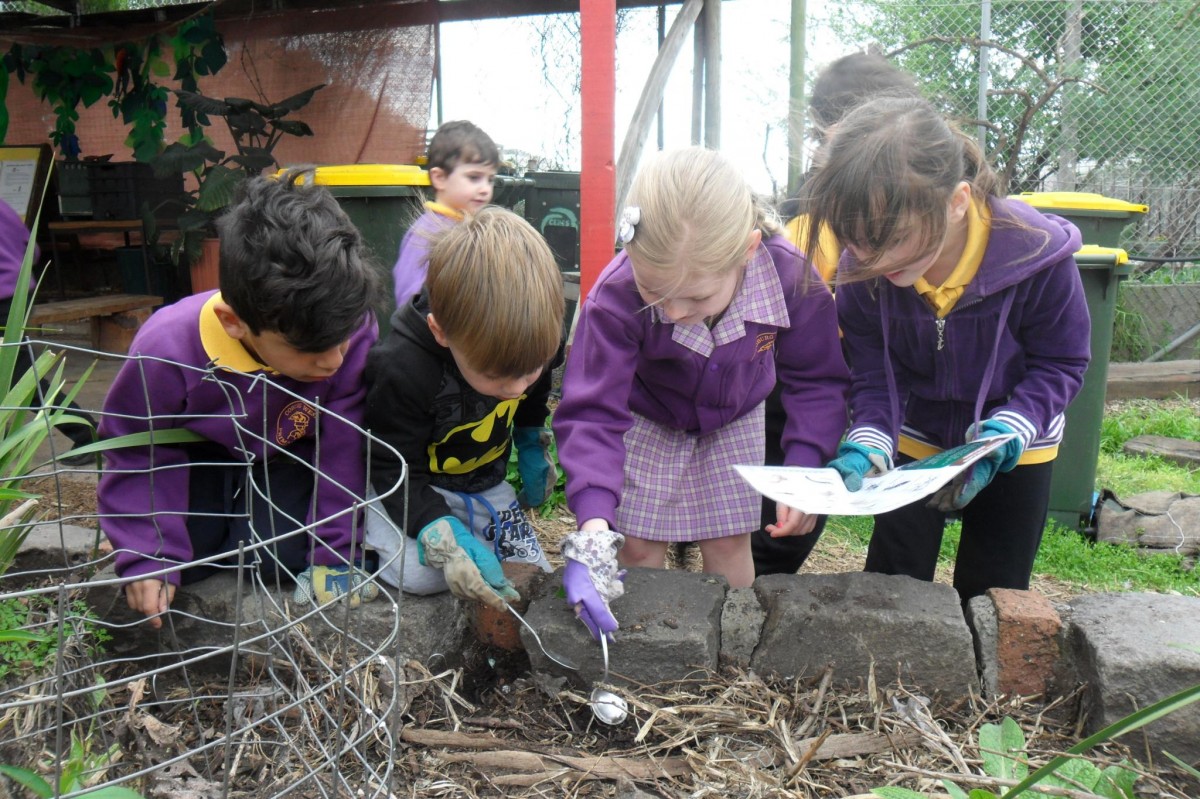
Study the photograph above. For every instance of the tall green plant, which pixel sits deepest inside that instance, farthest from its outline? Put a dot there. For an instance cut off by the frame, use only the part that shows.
(256, 128)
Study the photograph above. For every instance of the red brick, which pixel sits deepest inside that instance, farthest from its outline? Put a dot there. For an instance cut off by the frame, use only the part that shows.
(1027, 647)
(500, 628)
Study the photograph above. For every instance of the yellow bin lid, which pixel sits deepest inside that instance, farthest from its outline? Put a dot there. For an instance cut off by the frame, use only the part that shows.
(1096, 252)
(372, 175)
(1079, 201)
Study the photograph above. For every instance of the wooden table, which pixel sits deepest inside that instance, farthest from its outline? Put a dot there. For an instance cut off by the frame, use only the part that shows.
(122, 226)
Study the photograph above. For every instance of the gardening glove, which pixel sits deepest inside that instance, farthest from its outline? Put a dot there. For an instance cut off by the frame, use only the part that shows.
(963, 488)
(592, 579)
(534, 464)
(855, 461)
(471, 569)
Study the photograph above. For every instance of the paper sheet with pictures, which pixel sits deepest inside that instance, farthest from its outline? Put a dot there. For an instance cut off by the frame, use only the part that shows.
(822, 490)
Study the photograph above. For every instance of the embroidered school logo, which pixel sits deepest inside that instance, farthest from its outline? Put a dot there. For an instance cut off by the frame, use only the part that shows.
(765, 342)
(293, 422)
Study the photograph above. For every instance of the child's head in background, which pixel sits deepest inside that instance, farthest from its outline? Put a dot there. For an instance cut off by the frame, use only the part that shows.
(850, 81)
(495, 301)
(690, 228)
(294, 284)
(462, 166)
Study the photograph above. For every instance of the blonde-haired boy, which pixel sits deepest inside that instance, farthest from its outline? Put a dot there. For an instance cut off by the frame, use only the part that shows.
(466, 362)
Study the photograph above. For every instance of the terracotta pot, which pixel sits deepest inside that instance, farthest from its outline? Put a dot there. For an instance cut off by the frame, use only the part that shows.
(205, 271)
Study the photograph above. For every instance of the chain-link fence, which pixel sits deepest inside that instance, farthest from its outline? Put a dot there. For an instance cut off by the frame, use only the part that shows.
(1076, 95)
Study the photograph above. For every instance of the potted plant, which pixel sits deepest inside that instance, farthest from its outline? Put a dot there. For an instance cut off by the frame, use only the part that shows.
(255, 128)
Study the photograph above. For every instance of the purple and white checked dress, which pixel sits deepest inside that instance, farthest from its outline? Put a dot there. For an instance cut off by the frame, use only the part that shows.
(681, 487)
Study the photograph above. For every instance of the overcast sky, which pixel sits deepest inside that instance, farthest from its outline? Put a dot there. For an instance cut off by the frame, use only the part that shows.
(494, 75)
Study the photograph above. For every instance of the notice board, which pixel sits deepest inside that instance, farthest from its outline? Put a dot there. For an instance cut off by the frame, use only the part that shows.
(23, 173)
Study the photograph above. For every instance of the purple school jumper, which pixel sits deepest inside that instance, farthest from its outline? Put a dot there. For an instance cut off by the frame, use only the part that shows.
(14, 238)
(1014, 348)
(627, 360)
(229, 398)
(412, 265)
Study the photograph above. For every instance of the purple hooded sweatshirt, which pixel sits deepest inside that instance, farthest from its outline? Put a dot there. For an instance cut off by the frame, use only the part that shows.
(14, 238)
(1014, 348)
(408, 275)
(194, 376)
(626, 358)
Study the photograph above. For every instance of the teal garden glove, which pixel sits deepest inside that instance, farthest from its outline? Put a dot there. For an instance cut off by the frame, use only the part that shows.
(471, 569)
(855, 461)
(534, 464)
(963, 488)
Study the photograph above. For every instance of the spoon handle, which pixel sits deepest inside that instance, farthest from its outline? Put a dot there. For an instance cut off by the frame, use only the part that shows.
(604, 651)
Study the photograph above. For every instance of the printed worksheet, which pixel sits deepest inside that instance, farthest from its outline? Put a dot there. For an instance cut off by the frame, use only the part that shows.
(822, 490)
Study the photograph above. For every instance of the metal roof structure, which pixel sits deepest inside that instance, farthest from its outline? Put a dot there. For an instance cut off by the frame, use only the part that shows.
(83, 23)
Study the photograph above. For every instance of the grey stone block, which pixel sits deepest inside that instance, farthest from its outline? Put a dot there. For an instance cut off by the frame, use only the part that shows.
(208, 616)
(906, 628)
(670, 627)
(985, 627)
(1133, 650)
(741, 626)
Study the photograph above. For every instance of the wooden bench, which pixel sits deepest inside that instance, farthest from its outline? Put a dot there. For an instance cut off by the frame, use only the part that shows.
(115, 318)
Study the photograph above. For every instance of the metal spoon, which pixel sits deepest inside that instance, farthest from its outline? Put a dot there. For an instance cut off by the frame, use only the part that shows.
(566, 664)
(607, 706)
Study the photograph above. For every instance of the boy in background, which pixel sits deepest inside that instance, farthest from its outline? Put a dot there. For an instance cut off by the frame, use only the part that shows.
(269, 371)
(462, 168)
(466, 361)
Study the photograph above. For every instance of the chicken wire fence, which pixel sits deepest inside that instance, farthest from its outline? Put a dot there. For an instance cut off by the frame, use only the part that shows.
(268, 697)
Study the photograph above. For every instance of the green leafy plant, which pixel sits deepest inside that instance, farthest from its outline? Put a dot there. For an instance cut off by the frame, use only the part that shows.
(1002, 749)
(22, 650)
(64, 77)
(78, 769)
(256, 128)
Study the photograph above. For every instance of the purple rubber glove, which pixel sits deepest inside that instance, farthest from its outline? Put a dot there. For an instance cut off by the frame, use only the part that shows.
(592, 579)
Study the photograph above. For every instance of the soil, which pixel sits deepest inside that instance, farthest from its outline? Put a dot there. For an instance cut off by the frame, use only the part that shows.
(69, 497)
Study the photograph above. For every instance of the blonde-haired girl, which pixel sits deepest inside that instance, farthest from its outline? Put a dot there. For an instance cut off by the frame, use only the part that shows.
(679, 342)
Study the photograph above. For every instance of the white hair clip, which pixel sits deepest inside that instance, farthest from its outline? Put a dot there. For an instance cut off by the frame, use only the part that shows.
(629, 220)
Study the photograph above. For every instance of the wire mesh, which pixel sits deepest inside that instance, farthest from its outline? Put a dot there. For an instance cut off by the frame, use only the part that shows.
(273, 698)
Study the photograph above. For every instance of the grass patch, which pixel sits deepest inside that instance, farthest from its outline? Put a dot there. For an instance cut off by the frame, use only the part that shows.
(1126, 420)
(1126, 475)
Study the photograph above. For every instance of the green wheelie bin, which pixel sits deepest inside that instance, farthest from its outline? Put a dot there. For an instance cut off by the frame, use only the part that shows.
(382, 200)
(1073, 483)
(1101, 221)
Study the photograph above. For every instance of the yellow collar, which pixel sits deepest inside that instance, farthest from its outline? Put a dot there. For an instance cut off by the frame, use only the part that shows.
(943, 298)
(222, 349)
(444, 210)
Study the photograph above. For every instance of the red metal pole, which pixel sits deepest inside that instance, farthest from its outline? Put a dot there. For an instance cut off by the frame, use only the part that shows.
(597, 182)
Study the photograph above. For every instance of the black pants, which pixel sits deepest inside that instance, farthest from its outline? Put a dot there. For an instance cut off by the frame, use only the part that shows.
(779, 555)
(1001, 532)
(233, 503)
(80, 434)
